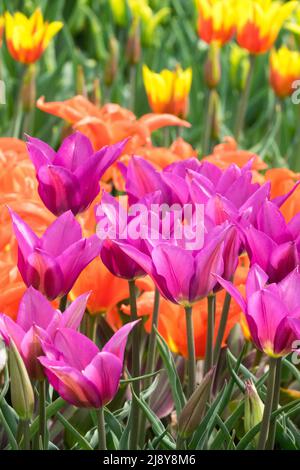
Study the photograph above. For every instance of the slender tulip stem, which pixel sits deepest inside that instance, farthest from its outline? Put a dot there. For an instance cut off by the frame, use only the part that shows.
(26, 434)
(191, 350)
(265, 425)
(243, 103)
(135, 414)
(209, 353)
(133, 87)
(101, 430)
(272, 429)
(222, 327)
(208, 122)
(151, 357)
(42, 414)
(63, 303)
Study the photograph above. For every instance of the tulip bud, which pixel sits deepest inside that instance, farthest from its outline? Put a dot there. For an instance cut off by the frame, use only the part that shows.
(96, 95)
(3, 356)
(111, 67)
(80, 81)
(254, 408)
(212, 67)
(194, 409)
(133, 48)
(22, 396)
(239, 67)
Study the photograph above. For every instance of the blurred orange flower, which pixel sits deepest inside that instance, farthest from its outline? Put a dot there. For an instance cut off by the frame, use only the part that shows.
(106, 289)
(282, 181)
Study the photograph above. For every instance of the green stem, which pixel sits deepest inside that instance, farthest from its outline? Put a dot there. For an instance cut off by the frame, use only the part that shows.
(243, 103)
(222, 327)
(63, 303)
(272, 429)
(265, 425)
(101, 430)
(42, 414)
(208, 123)
(26, 434)
(151, 357)
(132, 87)
(135, 414)
(191, 350)
(209, 353)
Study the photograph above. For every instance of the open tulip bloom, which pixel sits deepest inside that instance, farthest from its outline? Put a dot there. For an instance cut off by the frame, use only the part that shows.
(52, 263)
(79, 372)
(69, 179)
(272, 310)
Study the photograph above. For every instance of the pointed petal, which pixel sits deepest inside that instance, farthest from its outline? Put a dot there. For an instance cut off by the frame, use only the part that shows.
(11, 330)
(44, 274)
(27, 239)
(73, 314)
(40, 153)
(117, 344)
(74, 151)
(234, 292)
(76, 349)
(61, 234)
(34, 309)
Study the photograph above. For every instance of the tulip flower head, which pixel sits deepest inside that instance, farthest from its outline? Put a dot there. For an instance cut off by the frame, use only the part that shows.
(168, 90)
(52, 263)
(37, 321)
(79, 372)
(272, 310)
(259, 23)
(28, 38)
(284, 71)
(69, 179)
(216, 21)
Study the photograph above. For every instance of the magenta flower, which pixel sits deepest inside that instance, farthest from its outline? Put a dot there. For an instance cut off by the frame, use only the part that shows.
(272, 310)
(52, 263)
(69, 179)
(113, 224)
(185, 276)
(79, 372)
(273, 244)
(38, 321)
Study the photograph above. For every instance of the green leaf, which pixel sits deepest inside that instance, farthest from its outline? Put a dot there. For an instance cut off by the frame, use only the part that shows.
(83, 443)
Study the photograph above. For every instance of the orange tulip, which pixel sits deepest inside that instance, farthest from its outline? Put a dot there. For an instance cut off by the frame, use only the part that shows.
(282, 181)
(107, 289)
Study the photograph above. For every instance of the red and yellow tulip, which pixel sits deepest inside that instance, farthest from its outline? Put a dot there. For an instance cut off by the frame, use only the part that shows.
(168, 91)
(27, 38)
(216, 20)
(259, 23)
(284, 70)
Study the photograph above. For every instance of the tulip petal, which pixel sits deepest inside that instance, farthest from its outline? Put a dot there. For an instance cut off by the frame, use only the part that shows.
(34, 309)
(72, 316)
(74, 151)
(40, 153)
(27, 239)
(11, 330)
(61, 234)
(44, 274)
(31, 349)
(234, 292)
(272, 223)
(77, 350)
(256, 280)
(116, 345)
(104, 372)
(288, 289)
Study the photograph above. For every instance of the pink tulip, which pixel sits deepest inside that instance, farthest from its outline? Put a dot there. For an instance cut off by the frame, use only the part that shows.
(79, 372)
(38, 321)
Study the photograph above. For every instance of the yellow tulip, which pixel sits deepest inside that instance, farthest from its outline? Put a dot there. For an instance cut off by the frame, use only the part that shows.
(259, 23)
(168, 90)
(150, 20)
(118, 8)
(284, 71)
(27, 38)
(216, 20)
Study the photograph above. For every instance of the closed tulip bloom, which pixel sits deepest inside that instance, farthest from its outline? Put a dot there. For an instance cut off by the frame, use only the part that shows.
(37, 321)
(28, 38)
(52, 263)
(69, 179)
(284, 71)
(269, 310)
(168, 91)
(259, 23)
(186, 276)
(79, 372)
(273, 244)
(216, 20)
(113, 224)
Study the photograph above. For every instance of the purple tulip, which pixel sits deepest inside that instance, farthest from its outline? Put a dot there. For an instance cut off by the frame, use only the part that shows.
(79, 372)
(272, 310)
(69, 179)
(115, 223)
(185, 276)
(38, 321)
(273, 244)
(52, 263)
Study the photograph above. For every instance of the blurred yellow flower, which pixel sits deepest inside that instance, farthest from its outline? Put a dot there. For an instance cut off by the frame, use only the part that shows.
(150, 20)
(259, 22)
(239, 66)
(27, 38)
(168, 90)
(118, 8)
(216, 20)
(294, 26)
(284, 70)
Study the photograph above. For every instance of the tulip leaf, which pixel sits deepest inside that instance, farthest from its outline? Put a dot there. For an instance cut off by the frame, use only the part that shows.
(113, 424)
(10, 434)
(83, 443)
(51, 410)
(175, 383)
(141, 377)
